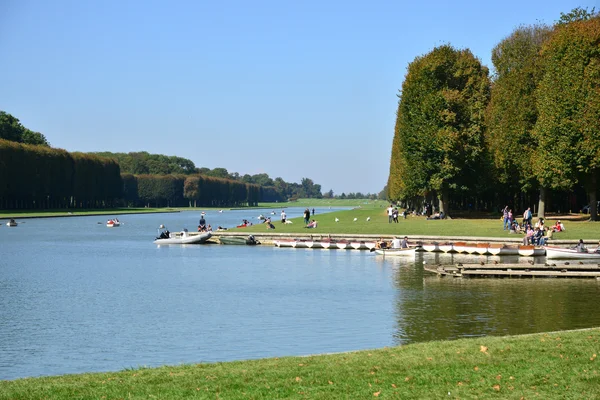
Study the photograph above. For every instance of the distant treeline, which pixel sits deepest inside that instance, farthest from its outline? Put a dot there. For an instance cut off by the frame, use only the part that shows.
(144, 163)
(40, 177)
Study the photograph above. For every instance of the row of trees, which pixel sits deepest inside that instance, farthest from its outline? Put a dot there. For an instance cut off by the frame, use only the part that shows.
(40, 177)
(187, 190)
(143, 163)
(466, 138)
(33, 176)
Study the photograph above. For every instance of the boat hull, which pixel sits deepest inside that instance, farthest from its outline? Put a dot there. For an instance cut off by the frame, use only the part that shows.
(185, 238)
(559, 253)
(396, 252)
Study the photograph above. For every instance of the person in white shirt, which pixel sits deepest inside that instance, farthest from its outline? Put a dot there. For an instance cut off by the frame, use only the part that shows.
(283, 217)
(390, 213)
(396, 243)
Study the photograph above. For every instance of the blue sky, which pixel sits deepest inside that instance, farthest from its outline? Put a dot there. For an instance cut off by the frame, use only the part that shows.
(292, 89)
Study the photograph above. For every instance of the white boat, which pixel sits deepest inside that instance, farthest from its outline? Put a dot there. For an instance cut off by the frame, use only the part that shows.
(509, 250)
(184, 237)
(326, 244)
(11, 223)
(343, 245)
(531, 251)
(446, 247)
(495, 249)
(430, 247)
(396, 252)
(285, 243)
(559, 253)
(370, 245)
(359, 245)
(459, 247)
(113, 223)
(482, 249)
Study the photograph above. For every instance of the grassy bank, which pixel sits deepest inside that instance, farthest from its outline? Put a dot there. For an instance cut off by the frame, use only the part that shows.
(479, 226)
(545, 366)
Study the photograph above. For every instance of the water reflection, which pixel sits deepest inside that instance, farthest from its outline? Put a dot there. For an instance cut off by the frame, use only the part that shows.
(429, 307)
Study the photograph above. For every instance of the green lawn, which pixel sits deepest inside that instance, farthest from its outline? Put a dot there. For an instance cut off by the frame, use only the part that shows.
(478, 226)
(560, 365)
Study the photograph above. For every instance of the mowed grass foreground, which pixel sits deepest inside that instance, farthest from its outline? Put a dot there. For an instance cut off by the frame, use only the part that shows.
(370, 219)
(561, 365)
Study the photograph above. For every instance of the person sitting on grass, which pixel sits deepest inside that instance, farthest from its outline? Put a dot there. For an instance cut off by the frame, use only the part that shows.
(312, 224)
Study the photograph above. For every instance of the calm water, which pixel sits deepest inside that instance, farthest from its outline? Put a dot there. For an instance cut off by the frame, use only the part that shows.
(76, 296)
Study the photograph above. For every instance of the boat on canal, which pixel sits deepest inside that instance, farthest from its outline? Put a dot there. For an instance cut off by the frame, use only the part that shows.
(560, 253)
(183, 237)
(239, 240)
(409, 252)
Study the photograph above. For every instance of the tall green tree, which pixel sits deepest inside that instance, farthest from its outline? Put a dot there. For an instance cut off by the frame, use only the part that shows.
(438, 143)
(568, 100)
(512, 112)
(11, 129)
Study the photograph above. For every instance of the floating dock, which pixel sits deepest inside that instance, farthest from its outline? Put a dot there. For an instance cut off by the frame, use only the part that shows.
(562, 270)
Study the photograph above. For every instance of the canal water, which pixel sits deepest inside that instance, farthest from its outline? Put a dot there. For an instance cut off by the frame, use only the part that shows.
(76, 296)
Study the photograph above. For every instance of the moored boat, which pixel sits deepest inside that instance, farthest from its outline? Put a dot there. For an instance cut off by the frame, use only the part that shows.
(471, 248)
(495, 249)
(509, 250)
(359, 246)
(326, 244)
(430, 247)
(446, 247)
(560, 253)
(239, 240)
(285, 243)
(531, 251)
(183, 237)
(342, 244)
(460, 247)
(482, 248)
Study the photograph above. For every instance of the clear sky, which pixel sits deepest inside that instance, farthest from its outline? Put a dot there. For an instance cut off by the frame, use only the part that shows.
(289, 88)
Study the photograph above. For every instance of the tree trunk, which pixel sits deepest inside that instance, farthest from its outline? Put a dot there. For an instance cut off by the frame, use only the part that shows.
(443, 202)
(593, 197)
(542, 203)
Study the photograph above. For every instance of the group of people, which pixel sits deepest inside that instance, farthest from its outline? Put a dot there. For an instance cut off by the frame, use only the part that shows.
(537, 234)
(202, 226)
(393, 213)
(395, 243)
(307, 216)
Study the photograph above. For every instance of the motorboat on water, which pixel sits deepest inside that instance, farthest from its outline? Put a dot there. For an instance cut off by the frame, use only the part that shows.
(183, 237)
(113, 223)
(12, 223)
(561, 253)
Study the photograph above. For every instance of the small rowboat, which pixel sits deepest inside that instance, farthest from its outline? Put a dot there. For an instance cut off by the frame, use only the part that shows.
(410, 252)
(113, 223)
(446, 247)
(460, 247)
(430, 247)
(326, 244)
(343, 245)
(495, 249)
(559, 253)
(285, 243)
(531, 251)
(482, 248)
(11, 223)
(304, 244)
